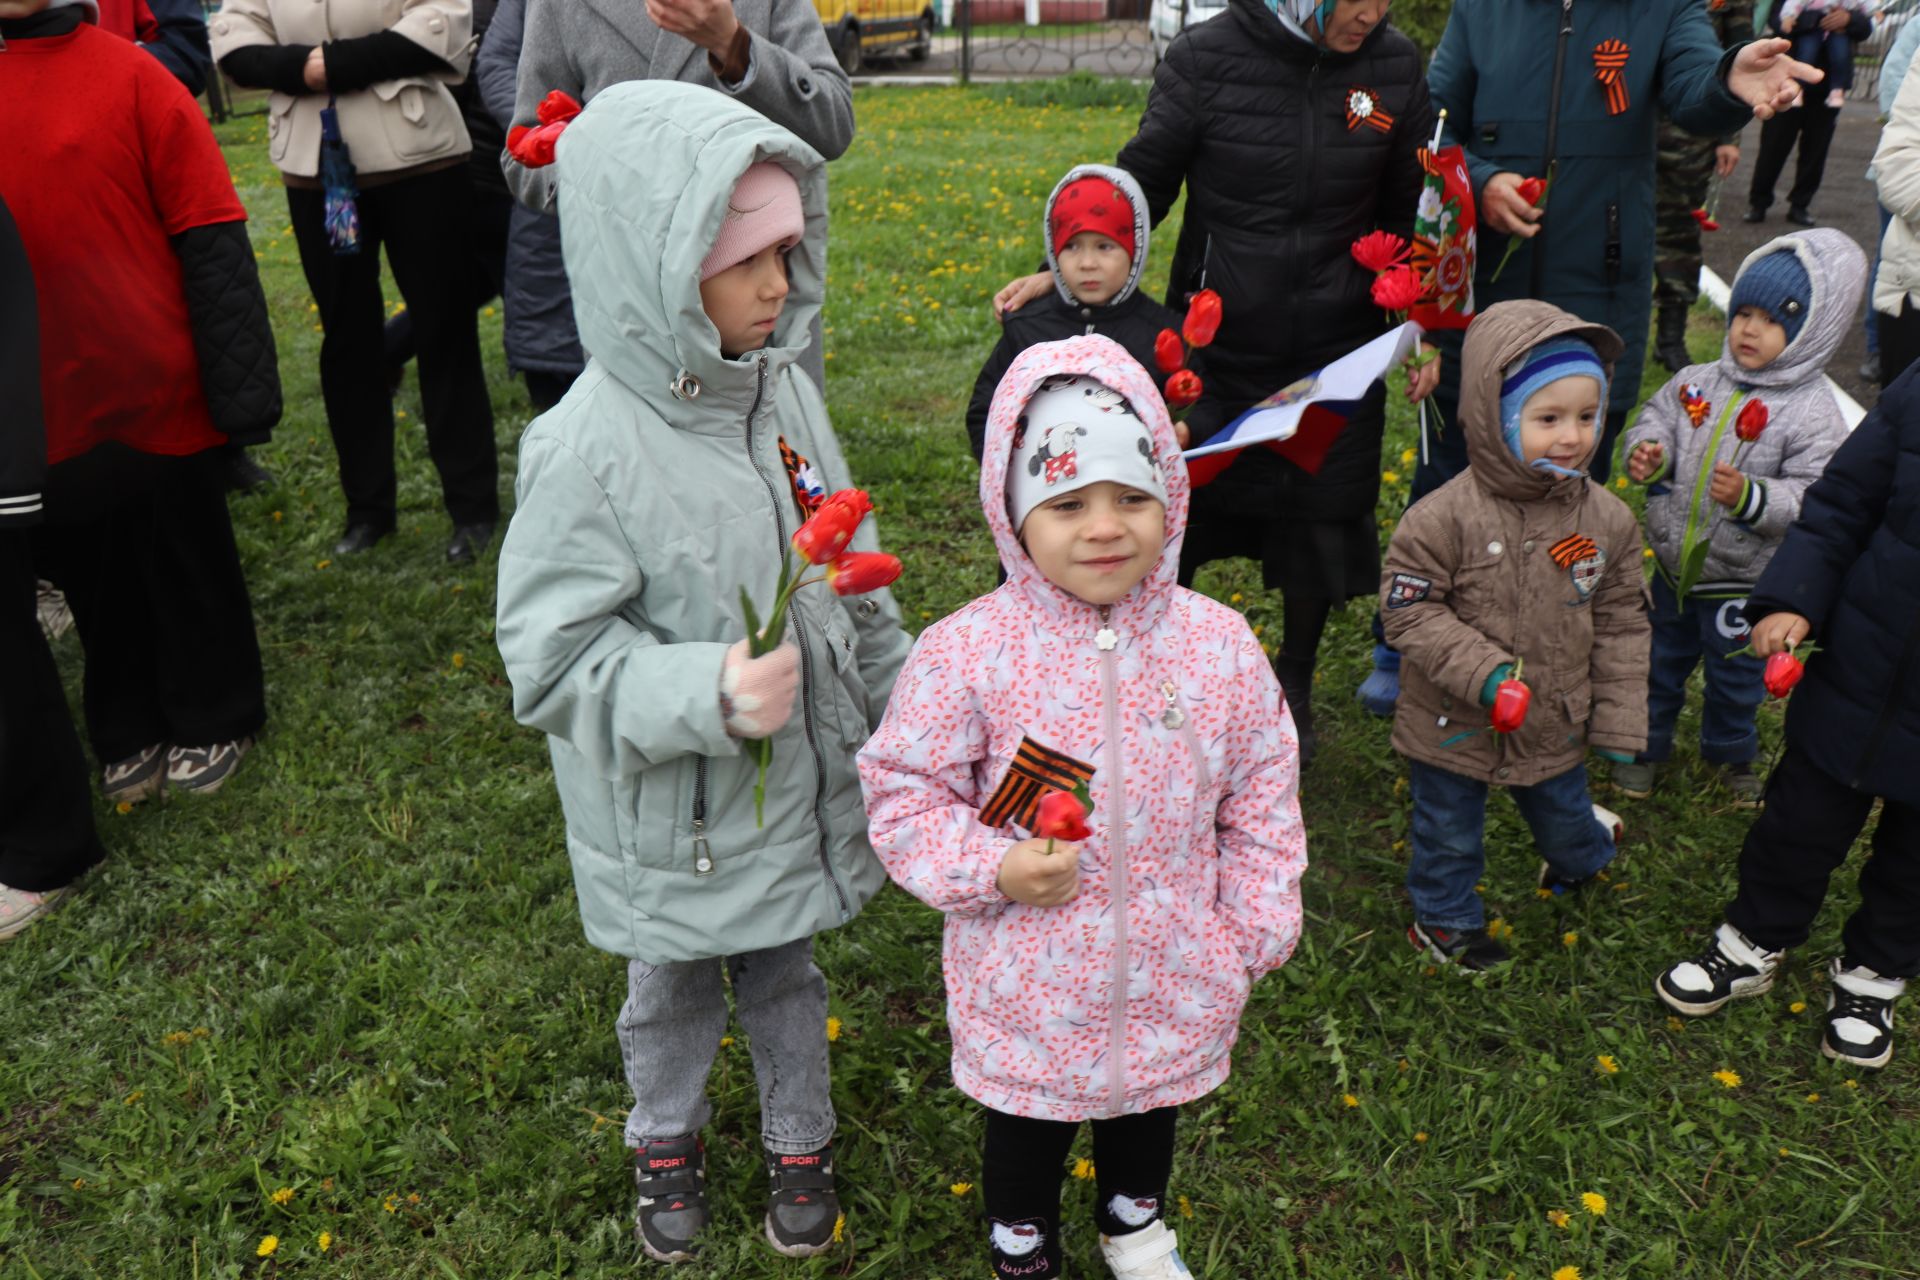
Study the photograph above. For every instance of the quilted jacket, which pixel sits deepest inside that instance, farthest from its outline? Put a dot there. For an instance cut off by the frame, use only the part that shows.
(1127, 997)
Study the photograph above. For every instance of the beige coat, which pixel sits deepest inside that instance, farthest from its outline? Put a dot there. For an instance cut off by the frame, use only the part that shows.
(393, 124)
(1506, 563)
(1896, 165)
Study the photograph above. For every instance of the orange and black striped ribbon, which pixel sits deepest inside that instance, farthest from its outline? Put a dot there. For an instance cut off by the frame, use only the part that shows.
(1036, 770)
(795, 462)
(1572, 549)
(1609, 67)
(1363, 107)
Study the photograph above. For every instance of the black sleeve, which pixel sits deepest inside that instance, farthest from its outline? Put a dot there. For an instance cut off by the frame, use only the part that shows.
(181, 44)
(998, 362)
(23, 428)
(280, 67)
(1158, 153)
(384, 55)
(239, 370)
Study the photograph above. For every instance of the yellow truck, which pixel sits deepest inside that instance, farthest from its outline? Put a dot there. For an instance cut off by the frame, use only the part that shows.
(860, 30)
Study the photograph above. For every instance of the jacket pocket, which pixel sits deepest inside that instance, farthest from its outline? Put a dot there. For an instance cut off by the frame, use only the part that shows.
(1578, 704)
(420, 118)
(279, 125)
(653, 823)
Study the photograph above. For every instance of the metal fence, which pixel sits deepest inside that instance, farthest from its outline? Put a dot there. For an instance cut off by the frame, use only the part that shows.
(1866, 66)
(1001, 39)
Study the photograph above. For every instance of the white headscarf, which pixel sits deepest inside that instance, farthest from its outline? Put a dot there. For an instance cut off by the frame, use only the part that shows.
(1295, 14)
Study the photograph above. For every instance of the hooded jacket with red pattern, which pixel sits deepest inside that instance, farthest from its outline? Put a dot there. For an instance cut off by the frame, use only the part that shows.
(1505, 563)
(1127, 997)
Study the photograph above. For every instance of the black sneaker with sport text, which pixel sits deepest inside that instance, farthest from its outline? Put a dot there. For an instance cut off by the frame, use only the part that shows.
(672, 1209)
(802, 1208)
(1475, 950)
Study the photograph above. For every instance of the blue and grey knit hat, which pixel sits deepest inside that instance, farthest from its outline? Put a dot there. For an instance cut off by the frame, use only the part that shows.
(1778, 285)
(1551, 361)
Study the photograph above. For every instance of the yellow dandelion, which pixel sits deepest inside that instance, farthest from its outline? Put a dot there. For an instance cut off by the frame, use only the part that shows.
(1186, 1207)
(1349, 1100)
(326, 1184)
(1798, 1006)
(1407, 456)
(1594, 1203)
(278, 517)
(1567, 1273)
(321, 564)
(391, 1204)
(961, 1188)
(1731, 1079)
(1559, 1218)
(1784, 1153)
(840, 1229)
(1083, 1169)
(1389, 477)
(1405, 1065)
(726, 1042)
(267, 1247)
(325, 1241)
(1420, 1136)
(281, 1195)
(1813, 1097)
(413, 1197)
(1543, 894)
(459, 660)
(1235, 598)
(175, 1039)
(1675, 1025)
(1851, 1084)
(133, 1099)
(833, 1028)
(1568, 938)
(1621, 483)
(123, 807)
(1646, 553)
(1606, 1064)
(78, 1183)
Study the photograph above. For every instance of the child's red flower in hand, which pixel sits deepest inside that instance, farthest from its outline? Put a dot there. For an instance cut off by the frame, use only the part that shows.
(1168, 351)
(1751, 422)
(1511, 699)
(1203, 318)
(1379, 250)
(826, 534)
(1061, 817)
(1183, 388)
(1782, 672)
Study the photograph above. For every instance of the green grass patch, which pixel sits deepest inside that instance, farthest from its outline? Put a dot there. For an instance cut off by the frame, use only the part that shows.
(358, 972)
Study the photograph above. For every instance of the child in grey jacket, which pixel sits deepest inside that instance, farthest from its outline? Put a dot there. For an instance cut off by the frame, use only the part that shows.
(670, 477)
(1726, 450)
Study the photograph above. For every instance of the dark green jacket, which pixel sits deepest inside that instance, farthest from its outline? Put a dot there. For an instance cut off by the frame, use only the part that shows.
(1493, 73)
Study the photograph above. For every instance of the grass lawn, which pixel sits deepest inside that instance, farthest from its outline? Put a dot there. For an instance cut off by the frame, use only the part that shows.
(346, 1003)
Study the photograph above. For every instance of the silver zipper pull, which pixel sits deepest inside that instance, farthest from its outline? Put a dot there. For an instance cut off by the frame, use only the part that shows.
(1173, 717)
(702, 859)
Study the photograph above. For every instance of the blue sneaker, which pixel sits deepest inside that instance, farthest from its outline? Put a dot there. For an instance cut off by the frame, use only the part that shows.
(1381, 689)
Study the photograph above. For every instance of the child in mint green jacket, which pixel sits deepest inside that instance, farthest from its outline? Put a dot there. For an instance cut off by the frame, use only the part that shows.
(669, 477)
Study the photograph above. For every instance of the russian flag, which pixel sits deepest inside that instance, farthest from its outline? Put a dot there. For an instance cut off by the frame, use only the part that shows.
(1301, 421)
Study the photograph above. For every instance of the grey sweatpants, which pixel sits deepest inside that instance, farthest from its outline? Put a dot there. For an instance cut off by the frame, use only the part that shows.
(670, 1028)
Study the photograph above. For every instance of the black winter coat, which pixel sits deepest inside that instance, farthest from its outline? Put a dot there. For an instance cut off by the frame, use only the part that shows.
(1851, 565)
(1133, 322)
(1255, 123)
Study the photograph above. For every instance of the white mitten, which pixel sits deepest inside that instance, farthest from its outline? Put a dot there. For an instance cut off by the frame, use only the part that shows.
(756, 694)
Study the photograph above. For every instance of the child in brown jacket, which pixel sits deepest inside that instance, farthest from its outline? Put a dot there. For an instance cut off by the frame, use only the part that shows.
(1518, 568)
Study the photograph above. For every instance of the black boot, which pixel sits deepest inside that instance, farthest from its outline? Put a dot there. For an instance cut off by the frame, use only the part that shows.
(1670, 338)
(1296, 682)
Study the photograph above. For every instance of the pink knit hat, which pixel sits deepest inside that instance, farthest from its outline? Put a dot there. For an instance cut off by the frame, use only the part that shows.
(764, 209)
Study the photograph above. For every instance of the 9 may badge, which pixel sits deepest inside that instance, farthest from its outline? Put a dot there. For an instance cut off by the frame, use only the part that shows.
(1584, 562)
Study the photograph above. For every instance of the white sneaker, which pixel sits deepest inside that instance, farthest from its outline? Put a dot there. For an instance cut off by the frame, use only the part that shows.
(1860, 1016)
(21, 907)
(138, 777)
(1151, 1253)
(204, 770)
(1611, 821)
(1729, 968)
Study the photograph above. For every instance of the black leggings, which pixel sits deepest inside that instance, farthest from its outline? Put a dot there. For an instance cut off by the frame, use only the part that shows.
(1020, 1181)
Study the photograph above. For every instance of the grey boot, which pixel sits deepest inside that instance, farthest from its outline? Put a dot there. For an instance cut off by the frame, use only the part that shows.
(1296, 682)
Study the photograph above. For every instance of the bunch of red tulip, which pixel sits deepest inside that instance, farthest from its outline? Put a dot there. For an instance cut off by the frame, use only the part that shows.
(1171, 351)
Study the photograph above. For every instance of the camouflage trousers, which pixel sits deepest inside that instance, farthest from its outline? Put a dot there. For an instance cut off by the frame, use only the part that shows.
(1680, 186)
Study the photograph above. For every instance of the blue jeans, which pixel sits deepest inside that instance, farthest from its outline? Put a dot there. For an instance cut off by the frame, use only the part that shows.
(1449, 847)
(1702, 632)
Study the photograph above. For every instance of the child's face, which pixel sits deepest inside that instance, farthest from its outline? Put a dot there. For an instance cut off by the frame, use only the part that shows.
(1095, 267)
(745, 300)
(1351, 22)
(1558, 420)
(1755, 338)
(1098, 542)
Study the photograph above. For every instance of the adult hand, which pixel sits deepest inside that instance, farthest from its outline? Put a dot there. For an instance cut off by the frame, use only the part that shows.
(1644, 461)
(1779, 633)
(315, 71)
(1727, 485)
(707, 23)
(1766, 79)
(1504, 209)
(1018, 293)
(1182, 436)
(1029, 874)
(1836, 19)
(1422, 379)
(1725, 160)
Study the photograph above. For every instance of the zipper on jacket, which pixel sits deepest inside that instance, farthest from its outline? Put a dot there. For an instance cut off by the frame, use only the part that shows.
(1175, 717)
(1117, 862)
(806, 657)
(702, 856)
(1535, 272)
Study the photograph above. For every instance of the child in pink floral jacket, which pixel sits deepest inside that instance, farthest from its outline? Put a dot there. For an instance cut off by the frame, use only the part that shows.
(1101, 980)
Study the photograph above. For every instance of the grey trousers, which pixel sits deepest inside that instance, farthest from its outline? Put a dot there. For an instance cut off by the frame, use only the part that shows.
(670, 1029)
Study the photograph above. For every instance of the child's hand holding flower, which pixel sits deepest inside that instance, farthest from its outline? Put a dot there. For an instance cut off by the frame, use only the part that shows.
(1031, 875)
(1728, 486)
(1779, 633)
(756, 694)
(1644, 461)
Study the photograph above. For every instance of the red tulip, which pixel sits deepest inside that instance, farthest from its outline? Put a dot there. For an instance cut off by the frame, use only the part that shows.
(1168, 351)
(1378, 250)
(1203, 318)
(1531, 189)
(1511, 699)
(857, 572)
(1183, 388)
(533, 148)
(1782, 672)
(826, 534)
(1751, 422)
(1705, 220)
(1061, 817)
(1396, 289)
(557, 107)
